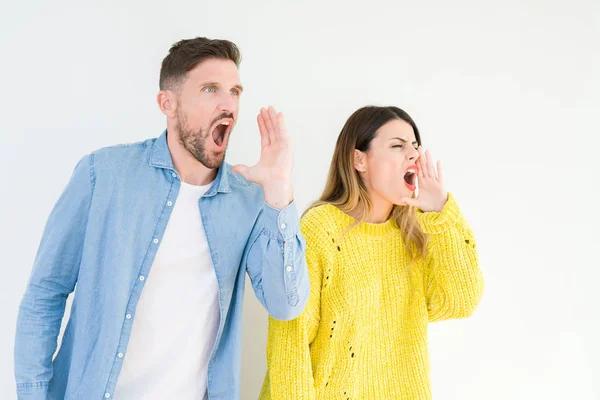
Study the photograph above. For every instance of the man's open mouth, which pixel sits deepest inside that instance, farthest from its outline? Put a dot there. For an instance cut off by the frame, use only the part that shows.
(220, 131)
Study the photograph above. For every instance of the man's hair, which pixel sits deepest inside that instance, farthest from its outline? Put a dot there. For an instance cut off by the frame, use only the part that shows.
(186, 54)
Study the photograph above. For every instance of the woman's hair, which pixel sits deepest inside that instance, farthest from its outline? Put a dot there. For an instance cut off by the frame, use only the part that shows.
(346, 190)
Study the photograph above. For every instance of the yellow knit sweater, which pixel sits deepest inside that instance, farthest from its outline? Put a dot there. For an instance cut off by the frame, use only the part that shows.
(363, 334)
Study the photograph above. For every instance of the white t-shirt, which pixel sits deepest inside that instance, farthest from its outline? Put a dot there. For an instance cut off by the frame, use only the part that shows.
(177, 316)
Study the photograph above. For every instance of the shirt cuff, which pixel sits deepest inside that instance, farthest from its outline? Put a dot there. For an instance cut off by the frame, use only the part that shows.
(285, 221)
(32, 390)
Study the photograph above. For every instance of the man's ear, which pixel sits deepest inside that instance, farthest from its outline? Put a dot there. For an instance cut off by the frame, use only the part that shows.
(167, 102)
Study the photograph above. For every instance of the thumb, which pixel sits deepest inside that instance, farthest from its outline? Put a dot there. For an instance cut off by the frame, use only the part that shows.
(407, 201)
(243, 170)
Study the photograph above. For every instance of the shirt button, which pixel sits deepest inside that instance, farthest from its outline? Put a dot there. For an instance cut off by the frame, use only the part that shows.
(155, 241)
(120, 355)
(128, 316)
(142, 278)
(169, 203)
(174, 175)
(107, 395)
(289, 268)
(283, 226)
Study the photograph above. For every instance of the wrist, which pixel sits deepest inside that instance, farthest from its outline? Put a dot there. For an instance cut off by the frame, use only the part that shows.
(441, 203)
(279, 193)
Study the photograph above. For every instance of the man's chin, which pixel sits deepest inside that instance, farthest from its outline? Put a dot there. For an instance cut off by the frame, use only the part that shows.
(215, 161)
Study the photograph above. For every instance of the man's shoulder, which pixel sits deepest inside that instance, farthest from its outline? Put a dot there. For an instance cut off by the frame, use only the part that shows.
(121, 157)
(124, 150)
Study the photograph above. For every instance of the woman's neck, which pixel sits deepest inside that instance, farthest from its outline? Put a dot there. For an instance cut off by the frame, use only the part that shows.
(380, 211)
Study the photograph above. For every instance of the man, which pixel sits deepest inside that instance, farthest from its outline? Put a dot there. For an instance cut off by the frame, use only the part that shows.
(158, 236)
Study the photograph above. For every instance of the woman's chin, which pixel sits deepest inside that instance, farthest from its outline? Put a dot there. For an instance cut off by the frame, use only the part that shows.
(402, 194)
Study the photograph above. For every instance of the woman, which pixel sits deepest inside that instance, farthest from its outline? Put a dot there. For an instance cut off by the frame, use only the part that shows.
(388, 250)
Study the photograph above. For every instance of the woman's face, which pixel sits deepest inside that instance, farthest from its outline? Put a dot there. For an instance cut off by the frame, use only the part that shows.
(388, 168)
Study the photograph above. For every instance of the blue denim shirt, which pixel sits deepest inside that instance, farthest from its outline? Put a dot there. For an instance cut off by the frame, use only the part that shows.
(101, 239)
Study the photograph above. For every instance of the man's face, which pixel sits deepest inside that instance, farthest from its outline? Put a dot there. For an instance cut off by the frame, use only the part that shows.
(207, 109)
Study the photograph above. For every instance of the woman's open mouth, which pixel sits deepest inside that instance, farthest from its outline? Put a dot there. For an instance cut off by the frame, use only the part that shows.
(220, 132)
(410, 178)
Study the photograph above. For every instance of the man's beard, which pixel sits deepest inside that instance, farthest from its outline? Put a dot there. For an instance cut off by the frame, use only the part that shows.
(194, 142)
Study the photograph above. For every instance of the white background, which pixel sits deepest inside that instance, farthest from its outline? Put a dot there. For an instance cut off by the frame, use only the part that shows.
(505, 93)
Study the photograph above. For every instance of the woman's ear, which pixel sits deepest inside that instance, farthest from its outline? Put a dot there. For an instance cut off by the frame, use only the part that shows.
(360, 161)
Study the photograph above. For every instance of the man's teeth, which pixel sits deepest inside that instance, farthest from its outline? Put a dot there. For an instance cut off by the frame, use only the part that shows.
(224, 123)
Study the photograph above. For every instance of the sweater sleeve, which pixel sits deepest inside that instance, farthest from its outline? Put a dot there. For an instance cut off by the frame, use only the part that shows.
(453, 280)
(289, 366)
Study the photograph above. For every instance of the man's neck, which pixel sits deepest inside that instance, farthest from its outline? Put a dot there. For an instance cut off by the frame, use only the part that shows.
(190, 170)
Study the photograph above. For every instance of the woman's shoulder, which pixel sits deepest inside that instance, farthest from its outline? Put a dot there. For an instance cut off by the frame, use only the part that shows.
(322, 220)
(322, 211)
